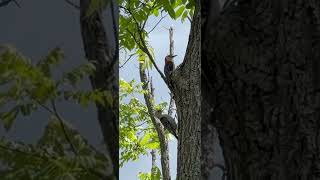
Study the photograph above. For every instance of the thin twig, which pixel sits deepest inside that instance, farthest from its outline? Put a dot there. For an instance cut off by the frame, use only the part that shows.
(145, 129)
(190, 20)
(130, 56)
(143, 46)
(63, 128)
(138, 125)
(23, 152)
(6, 2)
(72, 4)
(56, 114)
(162, 17)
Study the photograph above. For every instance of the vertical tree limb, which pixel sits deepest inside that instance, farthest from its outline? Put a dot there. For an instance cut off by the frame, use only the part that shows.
(164, 150)
(153, 165)
(171, 46)
(171, 41)
(106, 78)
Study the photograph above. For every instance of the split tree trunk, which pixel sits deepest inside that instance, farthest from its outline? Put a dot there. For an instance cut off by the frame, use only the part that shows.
(106, 78)
(186, 90)
(261, 61)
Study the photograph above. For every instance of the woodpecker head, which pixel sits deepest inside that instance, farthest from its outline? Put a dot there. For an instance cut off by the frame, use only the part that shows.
(169, 58)
(158, 113)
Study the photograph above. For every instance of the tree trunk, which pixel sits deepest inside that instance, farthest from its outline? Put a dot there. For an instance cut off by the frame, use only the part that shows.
(106, 78)
(186, 90)
(261, 62)
(210, 10)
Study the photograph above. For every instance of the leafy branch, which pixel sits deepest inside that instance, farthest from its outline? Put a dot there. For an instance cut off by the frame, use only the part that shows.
(141, 41)
(33, 86)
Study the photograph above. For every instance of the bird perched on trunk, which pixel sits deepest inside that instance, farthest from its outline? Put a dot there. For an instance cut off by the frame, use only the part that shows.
(168, 122)
(169, 65)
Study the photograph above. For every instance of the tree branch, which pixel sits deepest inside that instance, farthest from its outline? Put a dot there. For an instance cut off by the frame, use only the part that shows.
(23, 152)
(72, 4)
(6, 2)
(97, 47)
(171, 47)
(55, 113)
(143, 46)
(44, 158)
(73, 148)
(130, 56)
(158, 126)
(153, 164)
(162, 17)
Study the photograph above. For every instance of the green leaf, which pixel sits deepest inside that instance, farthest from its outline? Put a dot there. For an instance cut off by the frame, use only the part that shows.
(171, 12)
(79, 73)
(145, 139)
(156, 12)
(153, 145)
(180, 11)
(185, 14)
(156, 173)
(190, 4)
(8, 118)
(26, 109)
(53, 58)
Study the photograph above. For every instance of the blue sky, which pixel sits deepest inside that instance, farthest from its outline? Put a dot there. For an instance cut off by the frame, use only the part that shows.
(159, 40)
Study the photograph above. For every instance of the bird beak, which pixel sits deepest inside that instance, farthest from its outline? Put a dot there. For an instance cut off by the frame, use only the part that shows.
(174, 56)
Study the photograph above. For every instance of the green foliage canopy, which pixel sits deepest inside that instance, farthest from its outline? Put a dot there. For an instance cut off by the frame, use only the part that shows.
(61, 152)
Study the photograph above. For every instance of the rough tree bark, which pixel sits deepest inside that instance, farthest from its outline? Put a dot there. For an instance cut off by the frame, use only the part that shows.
(261, 66)
(186, 89)
(153, 164)
(106, 78)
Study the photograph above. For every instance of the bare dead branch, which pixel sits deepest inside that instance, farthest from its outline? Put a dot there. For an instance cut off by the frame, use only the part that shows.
(171, 48)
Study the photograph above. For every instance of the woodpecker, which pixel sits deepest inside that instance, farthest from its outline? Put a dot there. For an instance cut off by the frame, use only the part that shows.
(168, 122)
(169, 65)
